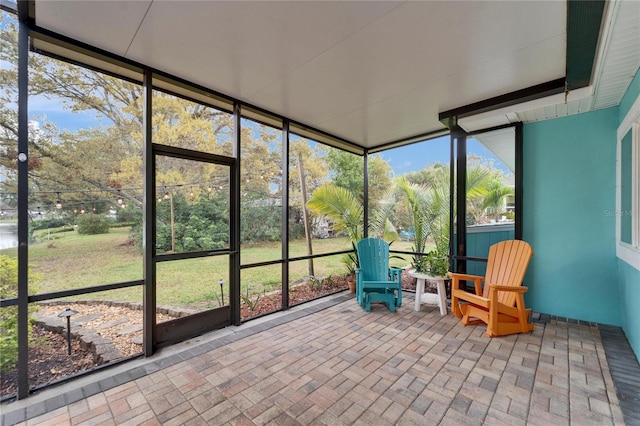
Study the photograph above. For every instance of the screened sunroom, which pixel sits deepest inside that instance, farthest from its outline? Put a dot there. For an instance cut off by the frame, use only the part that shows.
(174, 168)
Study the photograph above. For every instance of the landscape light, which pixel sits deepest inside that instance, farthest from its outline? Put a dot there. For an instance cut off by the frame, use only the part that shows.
(67, 314)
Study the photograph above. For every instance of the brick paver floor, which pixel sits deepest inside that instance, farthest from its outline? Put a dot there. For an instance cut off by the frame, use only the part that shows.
(341, 365)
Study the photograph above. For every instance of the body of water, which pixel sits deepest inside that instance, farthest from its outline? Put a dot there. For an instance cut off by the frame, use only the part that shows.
(8, 235)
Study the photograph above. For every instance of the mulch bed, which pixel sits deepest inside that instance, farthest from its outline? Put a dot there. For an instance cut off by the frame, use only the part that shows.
(48, 361)
(298, 293)
(304, 291)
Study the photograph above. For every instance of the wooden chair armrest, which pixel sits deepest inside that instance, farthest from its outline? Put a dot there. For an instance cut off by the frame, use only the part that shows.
(395, 273)
(456, 278)
(465, 277)
(519, 289)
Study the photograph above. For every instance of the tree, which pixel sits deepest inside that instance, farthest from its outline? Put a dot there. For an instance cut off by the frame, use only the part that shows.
(346, 212)
(342, 207)
(348, 172)
(9, 315)
(104, 161)
(95, 166)
(418, 203)
(307, 171)
(379, 181)
(493, 202)
(316, 169)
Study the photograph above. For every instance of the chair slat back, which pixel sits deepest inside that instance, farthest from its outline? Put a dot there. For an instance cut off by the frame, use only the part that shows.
(373, 255)
(507, 265)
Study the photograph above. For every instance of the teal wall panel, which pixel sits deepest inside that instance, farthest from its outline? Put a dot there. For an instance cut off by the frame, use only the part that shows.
(629, 280)
(628, 276)
(569, 185)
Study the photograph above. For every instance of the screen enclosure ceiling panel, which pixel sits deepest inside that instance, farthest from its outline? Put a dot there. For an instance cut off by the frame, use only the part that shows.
(369, 72)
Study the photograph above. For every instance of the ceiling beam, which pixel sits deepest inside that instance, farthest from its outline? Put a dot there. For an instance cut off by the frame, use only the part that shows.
(450, 118)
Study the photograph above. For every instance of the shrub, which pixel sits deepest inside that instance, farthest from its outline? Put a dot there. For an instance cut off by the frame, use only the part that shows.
(48, 223)
(129, 214)
(9, 315)
(90, 224)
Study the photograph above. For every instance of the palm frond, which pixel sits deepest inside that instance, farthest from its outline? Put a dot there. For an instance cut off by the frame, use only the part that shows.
(341, 206)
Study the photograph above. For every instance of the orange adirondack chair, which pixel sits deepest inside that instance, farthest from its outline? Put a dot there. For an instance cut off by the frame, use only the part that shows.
(500, 302)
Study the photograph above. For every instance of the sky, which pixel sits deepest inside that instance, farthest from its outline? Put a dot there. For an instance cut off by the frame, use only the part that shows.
(415, 157)
(402, 160)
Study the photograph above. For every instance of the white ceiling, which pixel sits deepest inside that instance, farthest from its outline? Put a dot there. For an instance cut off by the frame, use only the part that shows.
(370, 72)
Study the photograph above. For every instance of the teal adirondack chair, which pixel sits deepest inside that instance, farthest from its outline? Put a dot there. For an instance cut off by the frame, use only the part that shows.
(375, 281)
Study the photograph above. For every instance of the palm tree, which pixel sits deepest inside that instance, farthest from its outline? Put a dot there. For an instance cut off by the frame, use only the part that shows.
(341, 206)
(429, 205)
(493, 201)
(345, 210)
(347, 213)
(419, 204)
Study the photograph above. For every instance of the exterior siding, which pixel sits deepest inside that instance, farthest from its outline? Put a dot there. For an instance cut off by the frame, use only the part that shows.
(569, 185)
(628, 276)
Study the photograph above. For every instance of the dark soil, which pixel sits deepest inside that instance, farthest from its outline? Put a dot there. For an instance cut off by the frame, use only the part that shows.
(48, 361)
(298, 293)
(306, 291)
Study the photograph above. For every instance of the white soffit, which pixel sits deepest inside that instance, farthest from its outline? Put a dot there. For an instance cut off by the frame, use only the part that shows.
(501, 143)
(619, 54)
(367, 71)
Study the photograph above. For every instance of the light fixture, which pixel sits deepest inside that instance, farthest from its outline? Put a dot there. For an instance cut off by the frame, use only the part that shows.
(67, 313)
(119, 197)
(58, 202)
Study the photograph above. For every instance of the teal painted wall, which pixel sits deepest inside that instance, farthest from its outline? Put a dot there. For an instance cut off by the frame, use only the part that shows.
(628, 276)
(629, 281)
(569, 184)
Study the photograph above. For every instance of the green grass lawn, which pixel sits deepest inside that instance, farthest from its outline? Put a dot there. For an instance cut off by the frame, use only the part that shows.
(68, 260)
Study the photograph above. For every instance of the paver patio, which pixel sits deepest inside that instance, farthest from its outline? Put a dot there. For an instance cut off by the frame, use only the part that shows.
(332, 363)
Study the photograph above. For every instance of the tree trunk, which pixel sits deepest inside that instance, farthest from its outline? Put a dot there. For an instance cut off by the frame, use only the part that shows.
(305, 214)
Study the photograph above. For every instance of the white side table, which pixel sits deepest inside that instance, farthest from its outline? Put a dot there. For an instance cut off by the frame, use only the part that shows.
(434, 299)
